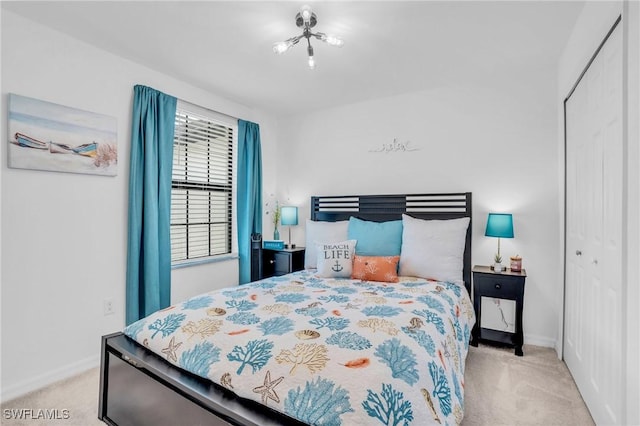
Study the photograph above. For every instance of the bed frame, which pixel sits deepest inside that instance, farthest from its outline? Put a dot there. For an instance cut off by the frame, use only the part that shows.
(140, 388)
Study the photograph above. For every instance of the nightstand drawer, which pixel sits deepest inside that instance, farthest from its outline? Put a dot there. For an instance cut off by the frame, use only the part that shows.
(500, 287)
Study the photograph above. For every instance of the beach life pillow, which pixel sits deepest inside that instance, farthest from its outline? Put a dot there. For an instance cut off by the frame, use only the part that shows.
(433, 248)
(376, 268)
(376, 238)
(322, 232)
(335, 260)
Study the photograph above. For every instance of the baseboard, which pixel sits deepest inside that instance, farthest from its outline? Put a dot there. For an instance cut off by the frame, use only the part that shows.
(532, 339)
(35, 383)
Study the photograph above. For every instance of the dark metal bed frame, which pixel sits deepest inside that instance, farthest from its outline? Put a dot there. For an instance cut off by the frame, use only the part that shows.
(137, 387)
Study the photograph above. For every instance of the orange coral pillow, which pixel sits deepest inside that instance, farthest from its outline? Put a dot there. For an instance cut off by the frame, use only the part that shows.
(376, 268)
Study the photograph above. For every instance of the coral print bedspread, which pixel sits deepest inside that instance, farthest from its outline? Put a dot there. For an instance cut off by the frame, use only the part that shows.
(326, 351)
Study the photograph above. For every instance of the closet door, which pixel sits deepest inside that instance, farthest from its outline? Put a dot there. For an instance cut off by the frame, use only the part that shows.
(592, 335)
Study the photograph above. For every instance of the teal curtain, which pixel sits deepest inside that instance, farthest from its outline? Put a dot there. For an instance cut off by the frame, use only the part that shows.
(149, 241)
(249, 198)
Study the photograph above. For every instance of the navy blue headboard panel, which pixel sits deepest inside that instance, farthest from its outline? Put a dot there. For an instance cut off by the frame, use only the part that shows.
(381, 208)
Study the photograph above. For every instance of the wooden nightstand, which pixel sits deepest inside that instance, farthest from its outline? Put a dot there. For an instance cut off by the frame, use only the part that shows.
(280, 262)
(504, 285)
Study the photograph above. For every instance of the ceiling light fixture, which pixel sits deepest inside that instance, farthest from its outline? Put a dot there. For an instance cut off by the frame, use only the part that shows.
(306, 20)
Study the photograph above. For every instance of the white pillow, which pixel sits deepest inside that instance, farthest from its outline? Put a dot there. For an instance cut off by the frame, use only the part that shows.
(335, 260)
(433, 248)
(322, 232)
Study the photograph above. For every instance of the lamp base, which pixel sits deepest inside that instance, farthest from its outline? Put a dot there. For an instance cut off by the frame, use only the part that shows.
(289, 246)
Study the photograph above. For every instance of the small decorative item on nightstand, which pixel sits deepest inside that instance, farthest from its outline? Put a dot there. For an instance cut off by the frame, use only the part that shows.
(503, 289)
(276, 219)
(516, 263)
(497, 265)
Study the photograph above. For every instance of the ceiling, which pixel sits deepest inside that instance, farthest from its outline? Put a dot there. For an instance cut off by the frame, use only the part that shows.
(390, 47)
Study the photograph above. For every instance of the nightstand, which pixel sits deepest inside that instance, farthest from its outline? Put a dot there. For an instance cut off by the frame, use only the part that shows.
(506, 285)
(280, 262)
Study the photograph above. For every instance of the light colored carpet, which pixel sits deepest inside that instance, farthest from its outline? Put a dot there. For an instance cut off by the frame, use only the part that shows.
(78, 395)
(500, 389)
(535, 389)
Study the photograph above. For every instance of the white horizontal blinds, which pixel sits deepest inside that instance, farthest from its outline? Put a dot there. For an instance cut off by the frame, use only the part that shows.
(201, 195)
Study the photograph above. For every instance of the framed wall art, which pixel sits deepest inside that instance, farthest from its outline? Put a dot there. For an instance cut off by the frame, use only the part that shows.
(48, 136)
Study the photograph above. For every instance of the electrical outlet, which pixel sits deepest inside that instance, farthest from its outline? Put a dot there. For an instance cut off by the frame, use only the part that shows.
(108, 307)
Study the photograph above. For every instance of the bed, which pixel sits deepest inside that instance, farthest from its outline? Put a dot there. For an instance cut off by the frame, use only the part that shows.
(307, 347)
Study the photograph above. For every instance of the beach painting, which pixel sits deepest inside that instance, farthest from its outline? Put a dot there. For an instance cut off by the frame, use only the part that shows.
(48, 136)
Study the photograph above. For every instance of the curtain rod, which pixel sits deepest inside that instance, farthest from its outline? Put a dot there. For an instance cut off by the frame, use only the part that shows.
(195, 107)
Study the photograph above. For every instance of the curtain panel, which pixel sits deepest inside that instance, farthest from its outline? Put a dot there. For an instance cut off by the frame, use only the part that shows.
(148, 287)
(249, 193)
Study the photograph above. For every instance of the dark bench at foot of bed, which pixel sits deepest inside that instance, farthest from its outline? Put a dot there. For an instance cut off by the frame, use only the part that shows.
(139, 388)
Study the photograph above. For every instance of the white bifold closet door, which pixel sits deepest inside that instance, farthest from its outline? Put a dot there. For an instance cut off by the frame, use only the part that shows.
(594, 218)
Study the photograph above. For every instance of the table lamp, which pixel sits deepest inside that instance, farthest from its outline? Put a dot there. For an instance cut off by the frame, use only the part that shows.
(499, 225)
(289, 217)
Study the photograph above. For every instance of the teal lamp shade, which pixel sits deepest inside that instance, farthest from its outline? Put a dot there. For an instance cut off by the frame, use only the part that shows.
(288, 215)
(499, 225)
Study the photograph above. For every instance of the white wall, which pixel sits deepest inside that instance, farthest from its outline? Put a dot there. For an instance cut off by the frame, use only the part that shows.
(497, 141)
(64, 235)
(591, 27)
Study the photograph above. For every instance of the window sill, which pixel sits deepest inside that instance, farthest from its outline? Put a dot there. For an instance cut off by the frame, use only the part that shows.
(203, 260)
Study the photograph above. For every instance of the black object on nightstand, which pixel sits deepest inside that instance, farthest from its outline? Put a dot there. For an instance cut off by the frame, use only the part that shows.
(501, 285)
(280, 262)
(256, 257)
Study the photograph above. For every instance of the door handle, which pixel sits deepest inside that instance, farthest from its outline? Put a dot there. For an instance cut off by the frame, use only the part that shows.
(578, 253)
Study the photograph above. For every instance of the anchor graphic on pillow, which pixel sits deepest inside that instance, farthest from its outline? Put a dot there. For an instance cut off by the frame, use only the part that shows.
(337, 267)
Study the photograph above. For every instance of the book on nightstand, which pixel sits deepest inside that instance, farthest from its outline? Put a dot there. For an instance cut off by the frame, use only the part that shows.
(273, 244)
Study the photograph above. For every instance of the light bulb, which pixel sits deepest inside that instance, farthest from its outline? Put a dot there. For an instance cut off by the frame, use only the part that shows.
(333, 40)
(312, 62)
(305, 12)
(281, 47)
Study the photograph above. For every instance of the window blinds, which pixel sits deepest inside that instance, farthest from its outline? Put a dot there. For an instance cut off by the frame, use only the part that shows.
(202, 183)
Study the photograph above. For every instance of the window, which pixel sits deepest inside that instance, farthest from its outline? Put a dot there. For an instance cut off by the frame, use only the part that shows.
(202, 185)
